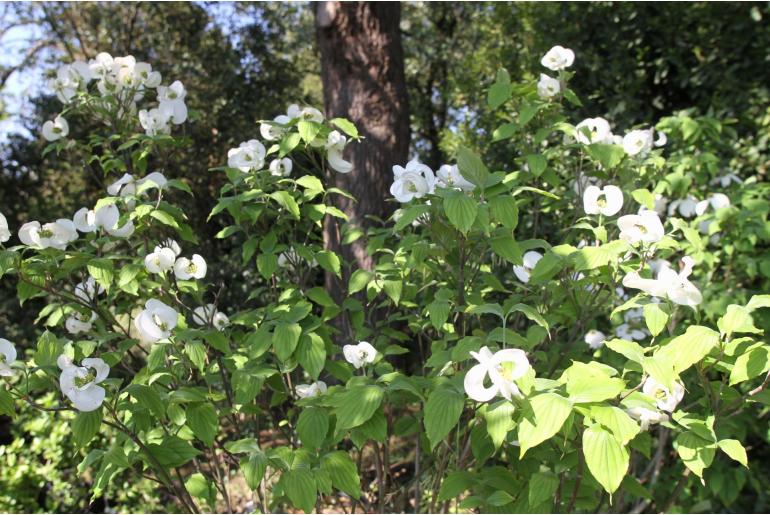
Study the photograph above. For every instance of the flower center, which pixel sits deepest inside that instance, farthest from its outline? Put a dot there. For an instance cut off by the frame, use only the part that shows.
(160, 322)
(80, 382)
(45, 233)
(601, 201)
(191, 268)
(506, 371)
(642, 229)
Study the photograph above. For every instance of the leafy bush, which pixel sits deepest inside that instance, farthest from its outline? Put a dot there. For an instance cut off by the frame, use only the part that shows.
(531, 339)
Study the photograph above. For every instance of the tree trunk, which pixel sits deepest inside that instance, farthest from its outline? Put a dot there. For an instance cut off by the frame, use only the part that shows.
(362, 69)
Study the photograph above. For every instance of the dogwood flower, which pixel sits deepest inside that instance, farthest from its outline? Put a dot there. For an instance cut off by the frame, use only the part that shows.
(679, 289)
(101, 65)
(360, 354)
(187, 269)
(310, 390)
(56, 129)
(662, 139)
(607, 201)
(335, 144)
(547, 87)
(5, 233)
(7, 356)
(155, 121)
(307, 113)
(664, 399)
(171, 98)
(502, 367)
(124, 186)
(208, 314)
(155, 321)
(686, 207)
(148, 78)
(594, 339)
(249, 155)
(716, 201)
(171, 244)
(88, 220)
(281, 167)
(413, 181)
(631, 329)
(274, 131)
(56, 234)
(645, 227)
(524, 270)
(646, 417)
(449, 176)
(160, 261)
(638, 142)
(558, 58)
(81, 384)
(78, 323)
(726, 179)
(88, 290)
(593, 130)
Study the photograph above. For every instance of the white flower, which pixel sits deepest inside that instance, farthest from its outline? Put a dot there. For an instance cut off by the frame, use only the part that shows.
(5, 233)
(449, 176)
(274, 131)
(547, 87)
(7, 356)
(607, 201)
(171, 99)
(503, 368)
(558, 58)
(679, 289)
(122, 232)
(646, 416)
(530, 259)
(281, 167)
(413, 181)
(124, 186)
(645, 227)
(159, 261)
(80, 384)
(173, 245)
(594, 339)
(310, 114)
(148, 78)
(716, 201)
(187, 269)
(360, 354)
(662, 139)
(153, 180)
(78, 323)
(726, 179)
(310, 390)
(335, 144)
(55, 234)
(638, 142)
(88, 290)
(56, 129)
(686, 206)
(593, 130)
(664, 399)
(101, 65)
(208, 314)
(627, 332)
(249, 155)
(155, 321)
(653, 287)
(155, 121)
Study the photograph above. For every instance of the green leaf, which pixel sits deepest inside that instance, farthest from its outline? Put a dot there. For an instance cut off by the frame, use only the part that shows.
(631, 350)
(409, 215)
(504, 210)
(308, 130)
(6, 404)
(312, 426)
(594, 389)
(697, 453)
(85, 426)
(691, 347)
(254, 467)
(393, 289)
(589, 258)
(655, 318)
(461, 210)
(289, 143)
(660, 369)
(48, 350)
(750, 364)
(644, 197)
(616, 420)
(342, 472)
(165, 218)
(606, 458)
(329, 261)
(345, 126)
(102, 272)
(758, 301)
(147, 397)
(608, 155)
(286, 201)
(499, 418)
(356, 405)
(735, 450)
(285, 339)
(201, 488)
(173, 452)
(203, 422)
(505, 131)
(311, 354)
(542, 486)
(310, 182)
(537, 164)
(454, 484)
(542, 419)
(439, 310)
(472, 167)
(530, 313)
(442, 413)
(501, 90)
(527, 112)
(737, 319)
(300, 488)
(267, 264)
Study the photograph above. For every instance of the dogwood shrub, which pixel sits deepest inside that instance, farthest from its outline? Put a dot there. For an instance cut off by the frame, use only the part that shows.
(534, 338)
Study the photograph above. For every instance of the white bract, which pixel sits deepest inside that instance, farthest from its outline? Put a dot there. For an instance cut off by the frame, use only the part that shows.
(78, 323)
(335, 144)
(88, 290)
(194, 268)
(281, 167)
(7, 356)
(716, 201)
(311, 390)
(665, 399)
(631, 329)
(449, 176)
(249, 155)
(594, 339)
(5, 233)
(171, 99)
(81, 384)
(208, 314)
(310, 114)
(502, 367)
(646, 416)
(547, 87)
(558, 58)
(273, 131)
(360, 354)
(638, 142)
(607, 201)
(155, 121)
(156, 321)
(413, 181)
(160, 261)
(524, 270)
(726, 179)
(593, 130)
(56, 234)
(645, 227)
(668, 283)
(56, 129)
(685, 206)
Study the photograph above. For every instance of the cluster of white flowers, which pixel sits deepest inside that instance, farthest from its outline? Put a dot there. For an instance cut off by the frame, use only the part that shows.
(209, 315)
(636, 142)
(556, 59)
(632, 327)
(665, 400)
(415, 180)
(503, 368)
(669, 284)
